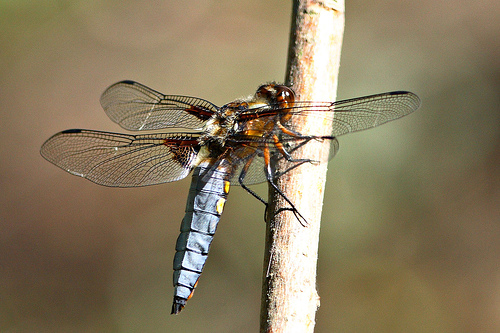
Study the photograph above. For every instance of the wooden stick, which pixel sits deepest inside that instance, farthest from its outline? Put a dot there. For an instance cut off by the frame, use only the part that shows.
(289, 299)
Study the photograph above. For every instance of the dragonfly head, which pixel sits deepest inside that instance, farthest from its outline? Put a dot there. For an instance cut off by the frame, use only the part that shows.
(277, 95)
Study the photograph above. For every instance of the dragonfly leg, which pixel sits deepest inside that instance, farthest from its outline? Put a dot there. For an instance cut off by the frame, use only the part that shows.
(287, 155)
(246, 188)
(297, 135)
(241, 178)
(279, 145)
(270, 179)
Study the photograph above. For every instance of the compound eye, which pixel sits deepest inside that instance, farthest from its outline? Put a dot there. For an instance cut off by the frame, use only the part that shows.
(285, 96)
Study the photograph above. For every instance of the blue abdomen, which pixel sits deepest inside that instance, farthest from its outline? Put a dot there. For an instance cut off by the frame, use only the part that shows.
(206, 199)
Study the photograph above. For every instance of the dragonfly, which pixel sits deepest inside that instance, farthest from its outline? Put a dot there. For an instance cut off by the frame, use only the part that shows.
(238, 143)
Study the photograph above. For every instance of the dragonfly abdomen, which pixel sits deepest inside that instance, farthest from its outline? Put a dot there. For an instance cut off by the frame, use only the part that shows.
(207, 195)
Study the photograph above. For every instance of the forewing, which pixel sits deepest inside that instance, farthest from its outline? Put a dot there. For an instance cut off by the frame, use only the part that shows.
(346, 116)
(138, 108)
(122, 160)
(366, 112)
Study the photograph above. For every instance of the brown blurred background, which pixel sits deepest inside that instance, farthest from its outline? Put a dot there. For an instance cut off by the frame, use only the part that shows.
(411, 227)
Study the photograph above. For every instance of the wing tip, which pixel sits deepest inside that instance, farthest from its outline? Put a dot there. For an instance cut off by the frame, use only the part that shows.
(117, 84)
(126, 82)
(414, 97)
(72, 131)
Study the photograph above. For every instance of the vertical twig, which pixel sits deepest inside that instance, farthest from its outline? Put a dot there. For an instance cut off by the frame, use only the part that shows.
(290, 300)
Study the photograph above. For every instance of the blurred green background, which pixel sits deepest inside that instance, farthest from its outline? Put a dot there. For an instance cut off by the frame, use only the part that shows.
(411, 227)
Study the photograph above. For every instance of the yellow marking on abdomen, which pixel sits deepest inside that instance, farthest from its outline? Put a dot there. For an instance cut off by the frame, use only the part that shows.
(220, 205)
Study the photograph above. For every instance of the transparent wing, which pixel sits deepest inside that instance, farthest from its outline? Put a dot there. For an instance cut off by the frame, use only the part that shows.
(347, 116)
(366, 112)
(122, 160)
(138, 108)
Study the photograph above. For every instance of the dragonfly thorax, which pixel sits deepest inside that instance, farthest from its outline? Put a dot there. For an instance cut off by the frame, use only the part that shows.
(230, 119)
(223, 123)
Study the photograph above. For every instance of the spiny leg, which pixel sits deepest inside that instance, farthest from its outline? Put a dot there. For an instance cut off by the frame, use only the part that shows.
(241, 178)
(270, 180)
(286, 154)
(296, 135)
